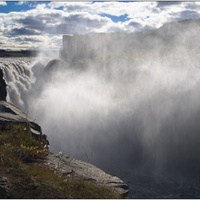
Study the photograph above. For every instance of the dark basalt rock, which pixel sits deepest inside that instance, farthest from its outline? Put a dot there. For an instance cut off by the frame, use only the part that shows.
(4, 188)
(10, 114)
(3, 91)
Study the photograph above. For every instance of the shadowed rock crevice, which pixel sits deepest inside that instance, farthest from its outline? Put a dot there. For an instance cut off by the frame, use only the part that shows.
(10, 114)
(3, 91)
(4, 194)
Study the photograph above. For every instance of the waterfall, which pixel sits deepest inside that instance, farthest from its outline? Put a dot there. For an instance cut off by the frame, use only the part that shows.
(132, 107)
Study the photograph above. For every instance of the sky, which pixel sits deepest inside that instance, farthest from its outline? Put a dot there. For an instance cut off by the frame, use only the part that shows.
(40, 25)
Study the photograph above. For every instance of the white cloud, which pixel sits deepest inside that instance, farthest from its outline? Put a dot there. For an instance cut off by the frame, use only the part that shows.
(49, 21)
(3, 3)
(40, 7)
(150, 14)
(19, 3)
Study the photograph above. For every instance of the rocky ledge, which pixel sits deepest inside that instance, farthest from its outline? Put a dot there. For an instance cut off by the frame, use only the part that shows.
(71, 167)
(10, 114)
(67, 166)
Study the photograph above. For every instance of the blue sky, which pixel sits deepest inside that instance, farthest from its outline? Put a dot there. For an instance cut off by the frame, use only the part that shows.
(33, 25)
(120, 18)
(12, 6)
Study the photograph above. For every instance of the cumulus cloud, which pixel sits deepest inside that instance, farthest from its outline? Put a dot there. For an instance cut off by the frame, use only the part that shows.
(57, 18)
(135, 24)
(31, 38)
(23, 31)
(3, 3)
(162, 4)
(19, 3)
(31, 21)
(71, 6)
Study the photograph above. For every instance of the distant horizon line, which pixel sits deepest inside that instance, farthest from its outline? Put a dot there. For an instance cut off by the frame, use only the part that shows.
(23, 53)
(27, 50)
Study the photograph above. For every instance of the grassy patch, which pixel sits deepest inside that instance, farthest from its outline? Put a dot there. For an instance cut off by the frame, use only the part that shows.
(16, 139)
(20, 157)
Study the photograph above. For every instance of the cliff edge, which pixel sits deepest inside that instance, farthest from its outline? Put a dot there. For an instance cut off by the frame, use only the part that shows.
(29, 170)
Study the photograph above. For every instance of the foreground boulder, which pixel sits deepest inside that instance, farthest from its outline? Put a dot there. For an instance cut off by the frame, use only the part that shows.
(10, 114)
(71, 167)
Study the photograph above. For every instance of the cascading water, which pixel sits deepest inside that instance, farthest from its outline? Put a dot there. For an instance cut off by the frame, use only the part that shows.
(132, 108)
(19, 78)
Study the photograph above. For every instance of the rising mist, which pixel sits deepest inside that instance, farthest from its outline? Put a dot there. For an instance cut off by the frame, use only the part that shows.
(132, 106)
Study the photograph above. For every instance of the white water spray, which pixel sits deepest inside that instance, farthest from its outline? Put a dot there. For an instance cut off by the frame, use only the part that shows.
(135, 108)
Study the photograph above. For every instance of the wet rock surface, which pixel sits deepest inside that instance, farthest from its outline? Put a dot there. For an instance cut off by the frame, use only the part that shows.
(3, 188)
(71, 167)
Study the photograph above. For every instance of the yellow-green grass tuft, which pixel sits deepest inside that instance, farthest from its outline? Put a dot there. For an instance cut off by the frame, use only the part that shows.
(21, 159)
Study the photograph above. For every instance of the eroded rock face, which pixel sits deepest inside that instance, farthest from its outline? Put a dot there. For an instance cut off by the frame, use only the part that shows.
(71, 167)
(10, 114)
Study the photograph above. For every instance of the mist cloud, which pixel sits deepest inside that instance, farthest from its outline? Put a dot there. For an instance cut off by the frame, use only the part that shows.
(131, 106)
(189, 14)
(134, 110)
(128, 103)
